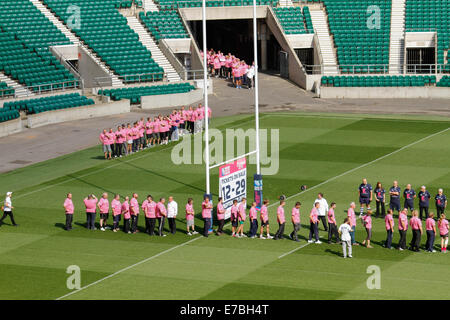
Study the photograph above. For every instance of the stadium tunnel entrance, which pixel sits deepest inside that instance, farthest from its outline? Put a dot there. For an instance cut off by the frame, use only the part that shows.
(236, 37)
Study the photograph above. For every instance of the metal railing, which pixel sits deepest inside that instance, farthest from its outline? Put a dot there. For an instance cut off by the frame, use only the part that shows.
(54, 86)
(167, 5)
(143, 77)
(381, 69)
(194, 75)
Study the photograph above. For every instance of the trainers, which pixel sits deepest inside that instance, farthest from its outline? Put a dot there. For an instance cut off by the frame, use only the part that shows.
(194, 232)
(290, 236)
(269, 236)
(189, 234)
(262, 237)
(318, 242)
(103, 229)
(310, 241)
(350, 256)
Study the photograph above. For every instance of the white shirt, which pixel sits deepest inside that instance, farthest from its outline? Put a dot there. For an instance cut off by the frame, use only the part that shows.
(172, 209)
(345, 230)
(251, 72)
(323, 209)
(8, 204)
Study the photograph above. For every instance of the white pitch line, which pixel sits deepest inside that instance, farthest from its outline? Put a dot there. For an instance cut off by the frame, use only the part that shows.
(292, 251)
(128, 268)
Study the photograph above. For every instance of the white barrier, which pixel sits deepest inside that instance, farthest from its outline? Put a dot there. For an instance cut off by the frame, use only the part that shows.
(10, 127)
(384, 92)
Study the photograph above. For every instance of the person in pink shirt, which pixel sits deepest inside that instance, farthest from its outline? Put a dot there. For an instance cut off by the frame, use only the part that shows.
(116, 211)
(103, 206)
(126, 215)
(220, 211)
(156, 131)
(443, 231)
(189, 122)
(295, 217)
(264, 217)
(164, 129)
(351, 215)
(134, 211)
(111, 141)
(149, 131)
(206, 215)
(161, 214)
(142, 134)
(242, 216)
(314, 224)
(281, 221)
(105, 143)
(69, 209)
(430, 226)
(367, 222)
(144, 207)
(402, 229)
(389, 223)
(332, 224)
(416, 227)
(234, 218)
(119, 142)
(129, 138)
(253, 215)
(190, 214)
(150, 215)
(136, 138)
(228, 62)
(90, 202)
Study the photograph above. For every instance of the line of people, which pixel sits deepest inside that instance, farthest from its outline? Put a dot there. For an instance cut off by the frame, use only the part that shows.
(130, 138)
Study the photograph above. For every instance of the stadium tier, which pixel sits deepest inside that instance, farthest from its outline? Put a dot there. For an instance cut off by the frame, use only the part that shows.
(174, 4)
(291, 19)
(444, 82)
(356, 42)
(6, 91)
(107, 33)
(6, 115)
(378, 81)
(135, 93)
(48, 103)
(431, 15)
(164, 24)
(308, 21)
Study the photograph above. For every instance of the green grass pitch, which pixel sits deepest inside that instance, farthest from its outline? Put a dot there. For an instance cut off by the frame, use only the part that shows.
(335, 151)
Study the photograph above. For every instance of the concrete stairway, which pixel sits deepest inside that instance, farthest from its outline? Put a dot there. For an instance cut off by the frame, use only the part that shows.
(75, 40)
(397, 42)
(149, 5)
(326, 47)
(20, 90)
(149, 43)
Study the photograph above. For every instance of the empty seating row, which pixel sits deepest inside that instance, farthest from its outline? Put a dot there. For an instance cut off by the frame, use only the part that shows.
(174, 4)
(6, 115)
(107, 33)
(49, 103)
(291, 19)
(444, 82)
(164, 24)
(6, 91)
(135, 93)
(378, 81)
(308, 21)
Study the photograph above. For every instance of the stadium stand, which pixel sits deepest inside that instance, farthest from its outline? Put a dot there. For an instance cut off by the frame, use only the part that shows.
(308, 21)
(6, 115)
(444, 82)
(378, 81)
(135, 93)
(6, 91)
(174, 4)
(431, 15)
(164, 24)
(33, 106)
(106, 32)
(291, 19)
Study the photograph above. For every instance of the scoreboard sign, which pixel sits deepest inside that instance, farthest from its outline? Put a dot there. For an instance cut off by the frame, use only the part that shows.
(232, 183)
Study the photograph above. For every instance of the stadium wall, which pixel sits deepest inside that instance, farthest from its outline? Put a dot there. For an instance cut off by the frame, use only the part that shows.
(384, 92)
(172, 100)
(10, 127)
(78, 113)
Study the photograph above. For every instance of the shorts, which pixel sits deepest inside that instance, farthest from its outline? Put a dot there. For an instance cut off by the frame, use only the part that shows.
(364, 201)
(369, 234)
(130, 141)
(234, 223)
(444, 235)
(409, 205)
(155, 135)
(394, 205)
(106, 148)
(190, 223)
(142, 140)
(264, 224)
(241, 222)
(104, 216)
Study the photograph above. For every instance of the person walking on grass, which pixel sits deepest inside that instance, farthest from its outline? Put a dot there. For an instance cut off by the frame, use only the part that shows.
(161, 214)
(264, 217)
(220, 212)
(443, 231)
(241, 217)
(352, 216)
(105, 144)
(365, 196)
(323, 210)
(69, 209)
(90, 203)
(295, 217)
(234, 218)
(126, 215)
(117, 211)
(416, 227)
(367, 222)
(389, 223)
(253, 215)
(206, 215)
(103, 206)
(190, 226)
(332, 225)
(344, 231)
(430, 226)
(281, 221)
(380, 199)
(314, 224)
(402, 228)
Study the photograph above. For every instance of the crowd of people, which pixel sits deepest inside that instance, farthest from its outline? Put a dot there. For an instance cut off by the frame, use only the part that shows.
(147, 133)
(231, 68)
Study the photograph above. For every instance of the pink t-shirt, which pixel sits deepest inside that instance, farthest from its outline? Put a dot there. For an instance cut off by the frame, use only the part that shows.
(264, 216)
(90, 205)
(103, 138)
(151, 209)
(234, 212)
(253, 213)
(144, 207)
(129, 134)
(351, 215)
(367, 222)
(242, 214)
(388, 220)
(402, 218)
(126, 210)
(314, 215)
(415, 223)
(206, 209)
(68, 205)
(190, 208)
(149, 126)
(160, 210)
(220, 211)
(430, 224)
(104, 205)
(156, 126)
(296, 214)
(110, 138)
(331, 218)
(119, 137)
(135, 132)
(443, 227)
(134, 206)
(117, 207)
(280, 215)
